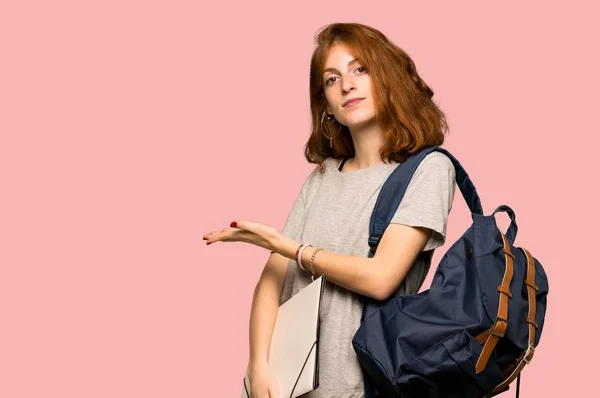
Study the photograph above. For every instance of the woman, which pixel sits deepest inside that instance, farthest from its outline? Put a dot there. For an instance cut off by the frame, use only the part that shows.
(370, 110)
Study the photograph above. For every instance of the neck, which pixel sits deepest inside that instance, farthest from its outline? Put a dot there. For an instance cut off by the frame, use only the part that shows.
(367, 142)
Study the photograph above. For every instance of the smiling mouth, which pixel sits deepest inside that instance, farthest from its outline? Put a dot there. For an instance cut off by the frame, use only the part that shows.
(353, 102)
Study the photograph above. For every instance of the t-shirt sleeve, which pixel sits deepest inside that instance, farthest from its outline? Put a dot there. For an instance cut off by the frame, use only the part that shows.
(428, 198)
(292, 223)
(292, 228)
(296, 214)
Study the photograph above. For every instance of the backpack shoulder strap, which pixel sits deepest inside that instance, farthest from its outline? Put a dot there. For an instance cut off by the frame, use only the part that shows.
(395, 186)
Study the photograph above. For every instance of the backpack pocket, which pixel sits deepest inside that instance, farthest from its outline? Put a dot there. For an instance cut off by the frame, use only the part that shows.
(449, 367)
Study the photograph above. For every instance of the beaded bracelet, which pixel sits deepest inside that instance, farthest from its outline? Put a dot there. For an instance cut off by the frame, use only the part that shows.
(311, 266)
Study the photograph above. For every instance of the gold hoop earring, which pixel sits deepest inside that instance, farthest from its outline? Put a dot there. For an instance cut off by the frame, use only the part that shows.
(332, 120)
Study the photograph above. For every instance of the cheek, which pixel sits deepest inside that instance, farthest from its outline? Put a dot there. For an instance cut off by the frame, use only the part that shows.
(368, 86)
(330, 96)
(331, 102)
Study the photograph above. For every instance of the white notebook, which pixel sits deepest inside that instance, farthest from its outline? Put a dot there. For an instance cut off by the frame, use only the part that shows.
(293, 354)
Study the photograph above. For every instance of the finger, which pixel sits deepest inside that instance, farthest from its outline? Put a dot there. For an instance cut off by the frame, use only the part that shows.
(220, 235)
(236, 235)
(261, 394)
(259, 229)
(245, 225)
(214, 237)
(209, 234)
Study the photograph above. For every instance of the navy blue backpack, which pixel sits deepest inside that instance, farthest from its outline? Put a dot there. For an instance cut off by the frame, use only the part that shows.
(472, 332)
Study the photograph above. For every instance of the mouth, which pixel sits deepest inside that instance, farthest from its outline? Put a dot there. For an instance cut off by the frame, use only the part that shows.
(352, 102)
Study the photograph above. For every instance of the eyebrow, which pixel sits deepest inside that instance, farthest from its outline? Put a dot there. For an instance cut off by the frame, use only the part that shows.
(335, 70)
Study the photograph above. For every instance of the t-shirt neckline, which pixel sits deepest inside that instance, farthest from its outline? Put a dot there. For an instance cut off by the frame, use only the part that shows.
(359, 171)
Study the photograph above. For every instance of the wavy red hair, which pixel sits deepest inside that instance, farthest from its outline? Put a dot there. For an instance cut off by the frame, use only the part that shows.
(408, 117)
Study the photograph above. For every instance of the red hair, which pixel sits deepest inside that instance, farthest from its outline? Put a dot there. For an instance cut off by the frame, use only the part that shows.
(406, 114)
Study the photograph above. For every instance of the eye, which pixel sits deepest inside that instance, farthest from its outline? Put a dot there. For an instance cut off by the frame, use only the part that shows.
(330, 81)
(361, 69)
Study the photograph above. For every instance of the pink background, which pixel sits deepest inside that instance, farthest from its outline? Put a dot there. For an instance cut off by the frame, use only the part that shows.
(130, 129)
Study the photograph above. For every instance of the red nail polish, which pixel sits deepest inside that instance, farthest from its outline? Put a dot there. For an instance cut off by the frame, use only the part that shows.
(233, 224)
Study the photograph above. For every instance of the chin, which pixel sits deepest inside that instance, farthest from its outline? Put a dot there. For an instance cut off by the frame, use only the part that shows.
(355, 122)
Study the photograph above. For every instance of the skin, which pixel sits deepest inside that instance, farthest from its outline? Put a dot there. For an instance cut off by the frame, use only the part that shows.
(346, 78)
(376, 277)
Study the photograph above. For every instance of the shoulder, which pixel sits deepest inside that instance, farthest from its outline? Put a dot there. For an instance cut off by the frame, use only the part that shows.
(317, 175)
(435, 176)
(438, 159)
(329, 165)
(436, 163)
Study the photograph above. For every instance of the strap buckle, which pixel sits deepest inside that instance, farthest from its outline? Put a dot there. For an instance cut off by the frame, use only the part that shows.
(529, 354)
(500, 327)
(374, 242)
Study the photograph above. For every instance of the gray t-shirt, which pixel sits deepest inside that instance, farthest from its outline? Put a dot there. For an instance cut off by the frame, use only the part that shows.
(332, 211)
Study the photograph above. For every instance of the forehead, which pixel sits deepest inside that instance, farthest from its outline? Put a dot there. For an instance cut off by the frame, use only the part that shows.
(338, 57)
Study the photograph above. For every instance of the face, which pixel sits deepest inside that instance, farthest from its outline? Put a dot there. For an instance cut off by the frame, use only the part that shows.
(347, 88)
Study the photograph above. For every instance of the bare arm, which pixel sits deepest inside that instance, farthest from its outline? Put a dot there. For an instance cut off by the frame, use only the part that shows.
(376, 277)
(265, 304)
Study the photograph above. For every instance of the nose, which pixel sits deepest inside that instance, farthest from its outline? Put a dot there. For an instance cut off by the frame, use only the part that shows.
(348, 84)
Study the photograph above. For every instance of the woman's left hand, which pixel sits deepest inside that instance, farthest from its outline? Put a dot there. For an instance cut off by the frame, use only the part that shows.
(258, 234)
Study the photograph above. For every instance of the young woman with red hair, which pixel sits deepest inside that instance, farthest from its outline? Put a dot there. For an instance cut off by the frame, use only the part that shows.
(370, 110)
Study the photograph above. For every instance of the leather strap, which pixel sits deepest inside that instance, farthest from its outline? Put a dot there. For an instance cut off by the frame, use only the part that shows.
(499, 327)
(483, 336)
(527, 356)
